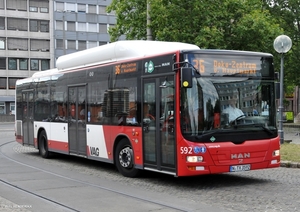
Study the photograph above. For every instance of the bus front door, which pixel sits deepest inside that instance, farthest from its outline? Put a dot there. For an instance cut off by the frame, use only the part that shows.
(158, 124)
(77, 120)
(27, 118)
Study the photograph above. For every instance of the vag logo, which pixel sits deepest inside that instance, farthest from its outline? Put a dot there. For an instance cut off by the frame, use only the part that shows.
(240, 155)
(94, 151)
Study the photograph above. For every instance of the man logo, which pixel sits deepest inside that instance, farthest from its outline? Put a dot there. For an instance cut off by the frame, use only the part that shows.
(240, 155)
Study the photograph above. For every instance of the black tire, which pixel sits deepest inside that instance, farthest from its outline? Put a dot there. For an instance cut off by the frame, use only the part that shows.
(124, 159)
(43, 145)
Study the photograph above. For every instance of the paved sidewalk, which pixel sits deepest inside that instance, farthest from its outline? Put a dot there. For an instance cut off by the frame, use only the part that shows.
(291, 132)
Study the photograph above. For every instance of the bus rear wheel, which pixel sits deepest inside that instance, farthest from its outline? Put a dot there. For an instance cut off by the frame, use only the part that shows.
(43, 145)
(124, 159)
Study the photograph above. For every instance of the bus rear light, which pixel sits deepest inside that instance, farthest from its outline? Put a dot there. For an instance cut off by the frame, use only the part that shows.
(194, 159)
(276, 153)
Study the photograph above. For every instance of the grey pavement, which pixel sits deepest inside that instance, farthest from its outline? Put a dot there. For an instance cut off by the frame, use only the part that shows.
(291, 132)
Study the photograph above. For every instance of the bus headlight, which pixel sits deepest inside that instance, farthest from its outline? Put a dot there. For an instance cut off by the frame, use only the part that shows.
(276, 153)
(194, 159)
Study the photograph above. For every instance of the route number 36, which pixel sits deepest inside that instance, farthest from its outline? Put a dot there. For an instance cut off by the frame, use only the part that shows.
(186, 150)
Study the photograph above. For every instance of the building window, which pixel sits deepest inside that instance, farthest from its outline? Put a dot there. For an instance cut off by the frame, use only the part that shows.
(81, 8)
(17, 24)
(59, 25)
(35, 4)
(60, 6)
(23, 64)
(70, 7)
(59, 44)
(2, 63)
(12, 108)
(92, 44)
(2, 107)
(71, 44)
(12, 63)
(1, 4)
(33, 9)
(38, 25)
(2, 82)
(102, 43)
(81, 27)
(17, 43)
(92, 27)
(45, 64)
(12, 82)
(39, 45)
(44, 10)
(44, 26)
(102, 10)
(71, 26)
(92, 9)
(34, 64)
(103, 28)
(17, 5)
(33, 25)
(2, 43)
(2, 22)
(81, 45)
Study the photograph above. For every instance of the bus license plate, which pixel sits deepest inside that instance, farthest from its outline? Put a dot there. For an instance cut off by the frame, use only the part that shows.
(240, 168)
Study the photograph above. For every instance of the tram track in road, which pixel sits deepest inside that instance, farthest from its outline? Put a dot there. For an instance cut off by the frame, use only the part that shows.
(244, 191)
(166, 207)
(37, 195)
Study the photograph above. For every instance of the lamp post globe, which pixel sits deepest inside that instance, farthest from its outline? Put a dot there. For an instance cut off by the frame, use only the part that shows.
(282, 44)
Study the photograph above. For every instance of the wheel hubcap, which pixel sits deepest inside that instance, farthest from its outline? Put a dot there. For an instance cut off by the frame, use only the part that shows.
(125, 157)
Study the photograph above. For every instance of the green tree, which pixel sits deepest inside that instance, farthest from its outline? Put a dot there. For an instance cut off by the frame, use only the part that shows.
(218, 24)
(287, 14)
(131, 19)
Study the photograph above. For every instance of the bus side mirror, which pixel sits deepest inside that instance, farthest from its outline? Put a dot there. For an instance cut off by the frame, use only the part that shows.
(186, 77)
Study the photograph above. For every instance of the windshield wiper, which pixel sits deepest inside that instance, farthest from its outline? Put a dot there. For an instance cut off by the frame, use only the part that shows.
(270, 132)
(208, 133)
(266, 129)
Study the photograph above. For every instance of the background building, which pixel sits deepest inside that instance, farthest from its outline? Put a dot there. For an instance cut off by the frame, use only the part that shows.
(34, 33)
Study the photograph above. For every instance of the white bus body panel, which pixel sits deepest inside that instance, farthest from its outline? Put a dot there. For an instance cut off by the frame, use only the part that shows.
(40, 124)
(96, 140)
(59, 132)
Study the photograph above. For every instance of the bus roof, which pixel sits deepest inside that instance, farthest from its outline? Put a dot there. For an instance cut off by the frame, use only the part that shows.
(118, 51)
(45, 73)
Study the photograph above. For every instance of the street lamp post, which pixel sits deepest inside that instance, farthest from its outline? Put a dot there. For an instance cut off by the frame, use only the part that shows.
(282, 44)
(149, 31)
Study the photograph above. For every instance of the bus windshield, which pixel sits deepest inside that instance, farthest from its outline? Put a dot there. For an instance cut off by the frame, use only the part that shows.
(228, 107)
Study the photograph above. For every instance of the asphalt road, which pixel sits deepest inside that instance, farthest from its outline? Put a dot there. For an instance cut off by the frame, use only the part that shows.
(84, 185)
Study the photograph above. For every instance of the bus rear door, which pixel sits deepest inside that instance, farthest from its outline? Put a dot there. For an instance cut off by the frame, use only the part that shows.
(158, 124)
(77, 120)
(27, 118)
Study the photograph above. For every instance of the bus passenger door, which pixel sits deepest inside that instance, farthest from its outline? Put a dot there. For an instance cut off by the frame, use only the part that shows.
(27, 121)
(158, 124)
(77, 120)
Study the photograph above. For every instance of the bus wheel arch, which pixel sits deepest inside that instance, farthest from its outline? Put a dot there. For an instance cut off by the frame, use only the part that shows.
(124, 158)
(43, 144)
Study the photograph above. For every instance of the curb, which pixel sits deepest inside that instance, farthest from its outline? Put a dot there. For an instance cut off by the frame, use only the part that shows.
(289, 164)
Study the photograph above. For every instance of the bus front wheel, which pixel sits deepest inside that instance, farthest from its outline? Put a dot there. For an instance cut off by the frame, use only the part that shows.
(43, 145)
(124, 159)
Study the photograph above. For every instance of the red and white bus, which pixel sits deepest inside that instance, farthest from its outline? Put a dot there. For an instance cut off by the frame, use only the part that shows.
(151, 105)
